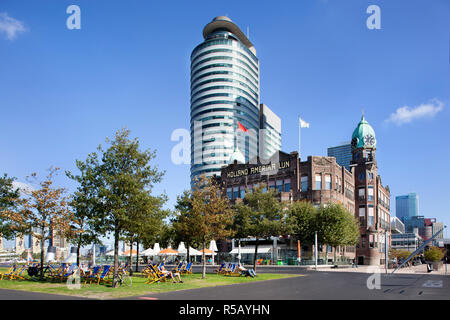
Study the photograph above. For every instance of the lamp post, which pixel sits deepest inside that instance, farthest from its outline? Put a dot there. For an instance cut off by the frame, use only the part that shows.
(315, 248)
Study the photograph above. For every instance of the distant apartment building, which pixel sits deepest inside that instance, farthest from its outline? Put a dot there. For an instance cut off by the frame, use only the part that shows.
(342, 153)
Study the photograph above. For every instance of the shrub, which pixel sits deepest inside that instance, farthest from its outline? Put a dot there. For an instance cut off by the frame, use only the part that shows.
(434, 254)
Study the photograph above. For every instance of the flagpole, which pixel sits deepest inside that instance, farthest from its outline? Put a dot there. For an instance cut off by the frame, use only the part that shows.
(299, 136)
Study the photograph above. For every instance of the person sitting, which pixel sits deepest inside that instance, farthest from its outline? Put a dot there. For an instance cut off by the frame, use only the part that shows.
(171, 275)
(246, 272)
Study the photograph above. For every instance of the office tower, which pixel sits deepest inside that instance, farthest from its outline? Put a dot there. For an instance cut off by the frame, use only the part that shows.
(342, 153)
(225, 101)
(407, 206)
(271, 134)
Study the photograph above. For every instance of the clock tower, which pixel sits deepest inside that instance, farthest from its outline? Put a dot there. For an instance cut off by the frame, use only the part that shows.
(370, 250)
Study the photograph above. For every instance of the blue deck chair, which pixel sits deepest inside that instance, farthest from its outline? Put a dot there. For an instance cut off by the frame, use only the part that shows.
(93, 275)
(221, 268)
(188, 268)
(69, 271)
(234, 271)
(10, 271)
(104, 274)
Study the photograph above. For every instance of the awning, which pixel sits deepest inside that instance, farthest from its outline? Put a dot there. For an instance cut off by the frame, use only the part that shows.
(251, 249)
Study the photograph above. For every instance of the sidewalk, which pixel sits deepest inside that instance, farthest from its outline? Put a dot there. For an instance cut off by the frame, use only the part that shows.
(421, 269)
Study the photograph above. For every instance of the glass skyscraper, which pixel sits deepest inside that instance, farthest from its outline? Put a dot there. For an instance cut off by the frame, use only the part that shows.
(342, 153)
(224, 94)
(407, 206)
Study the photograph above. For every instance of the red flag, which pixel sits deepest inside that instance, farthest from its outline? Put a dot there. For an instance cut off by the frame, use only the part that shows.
(241, 127)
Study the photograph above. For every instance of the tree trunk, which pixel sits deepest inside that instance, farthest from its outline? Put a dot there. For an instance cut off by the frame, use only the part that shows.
(78, 251)
(256, 254)
(203, 261)
(78, 254)
(188, 258)
(137, 257)
(116, 257)
(42, 259)
(131, 257)
(335, 251)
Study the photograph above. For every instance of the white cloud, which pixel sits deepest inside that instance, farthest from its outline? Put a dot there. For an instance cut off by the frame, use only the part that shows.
(10, 26)
(406, 114)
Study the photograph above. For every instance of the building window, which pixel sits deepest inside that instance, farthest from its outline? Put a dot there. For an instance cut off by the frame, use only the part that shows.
(242, 192)
(328, 182)
(271, 185)
(235, 192)
(318, 182)
(279, 185)
(370, 215)
(304, 183)
(361, 193)
(362, 215)
(370, 193)
(250, 188)
(229, 193)
(287, 185)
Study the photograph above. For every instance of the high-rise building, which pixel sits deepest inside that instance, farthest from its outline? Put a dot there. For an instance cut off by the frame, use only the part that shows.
(225, 101)
(271, 136)
(407, 206)
(342, 153)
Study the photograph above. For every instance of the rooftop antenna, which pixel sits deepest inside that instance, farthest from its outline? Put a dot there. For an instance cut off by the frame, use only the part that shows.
(363, 113)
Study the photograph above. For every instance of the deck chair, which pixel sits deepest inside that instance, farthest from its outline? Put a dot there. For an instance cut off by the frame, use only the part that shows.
(93, 274)
(233, 271)
(103, 276)
(179, 268)
(55, 272)
(69, 271)
(221, 268)
(9, 272)
(156, 275)
(187, 269)
(18, 273)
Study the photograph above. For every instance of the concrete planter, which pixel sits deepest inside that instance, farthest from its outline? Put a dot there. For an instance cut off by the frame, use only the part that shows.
(437, 265)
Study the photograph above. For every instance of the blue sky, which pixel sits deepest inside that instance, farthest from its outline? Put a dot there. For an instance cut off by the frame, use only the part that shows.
(62, 92)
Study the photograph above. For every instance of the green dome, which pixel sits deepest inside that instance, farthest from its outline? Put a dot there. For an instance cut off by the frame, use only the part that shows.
(364, 135)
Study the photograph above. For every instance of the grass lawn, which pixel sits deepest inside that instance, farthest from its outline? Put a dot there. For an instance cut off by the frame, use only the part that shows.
(139, 287)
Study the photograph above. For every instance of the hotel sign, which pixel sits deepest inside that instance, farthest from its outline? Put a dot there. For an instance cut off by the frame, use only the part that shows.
(265, 168)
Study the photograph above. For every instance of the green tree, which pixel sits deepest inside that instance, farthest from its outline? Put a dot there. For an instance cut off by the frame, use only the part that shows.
(336, 226)
(147, 222)
(214, 212)
(260, 215)
(43, 213)
(121, 185)
(186, 222)
(82, 231)
(9, 200)
(302, 220)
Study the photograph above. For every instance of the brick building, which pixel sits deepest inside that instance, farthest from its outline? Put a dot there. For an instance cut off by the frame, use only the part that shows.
(321, 180)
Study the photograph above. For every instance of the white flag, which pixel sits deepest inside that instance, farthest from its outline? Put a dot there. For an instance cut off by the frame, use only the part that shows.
(303, 124)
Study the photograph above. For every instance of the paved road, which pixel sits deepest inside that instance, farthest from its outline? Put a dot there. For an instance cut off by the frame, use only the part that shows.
(324, 285)
(310, 285)
(6, 294)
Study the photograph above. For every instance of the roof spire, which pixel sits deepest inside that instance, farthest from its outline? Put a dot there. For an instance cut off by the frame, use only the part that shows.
(362, 118)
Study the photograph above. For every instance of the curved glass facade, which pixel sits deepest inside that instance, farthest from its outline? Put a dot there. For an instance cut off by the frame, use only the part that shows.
(224, 90)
